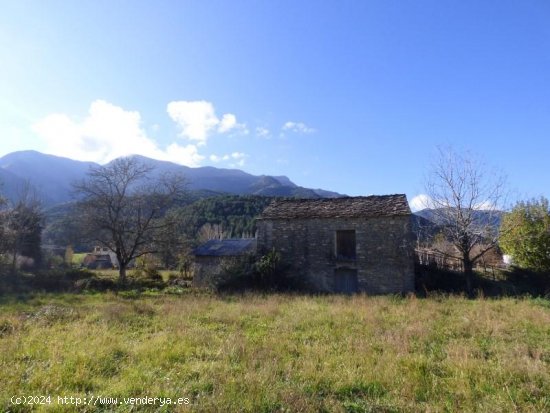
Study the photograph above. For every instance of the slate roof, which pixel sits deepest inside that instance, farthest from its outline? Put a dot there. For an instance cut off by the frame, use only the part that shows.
(349, 207)
(226, 247)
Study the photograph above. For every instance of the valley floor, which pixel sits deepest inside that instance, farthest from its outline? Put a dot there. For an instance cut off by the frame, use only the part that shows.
(257, 353)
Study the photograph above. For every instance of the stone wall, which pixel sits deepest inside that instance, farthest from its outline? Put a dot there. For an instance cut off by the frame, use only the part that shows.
(384, 250)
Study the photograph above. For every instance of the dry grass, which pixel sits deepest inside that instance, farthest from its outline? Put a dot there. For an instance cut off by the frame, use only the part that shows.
(280, 353)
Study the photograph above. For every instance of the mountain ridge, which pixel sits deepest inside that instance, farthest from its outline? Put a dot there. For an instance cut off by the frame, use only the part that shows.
(51, 177)
(481, 217)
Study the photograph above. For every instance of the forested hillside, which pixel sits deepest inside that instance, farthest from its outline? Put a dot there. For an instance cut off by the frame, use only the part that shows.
(234, 214)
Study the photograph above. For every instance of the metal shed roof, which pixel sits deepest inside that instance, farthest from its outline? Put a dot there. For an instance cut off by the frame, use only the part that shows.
(226, 247)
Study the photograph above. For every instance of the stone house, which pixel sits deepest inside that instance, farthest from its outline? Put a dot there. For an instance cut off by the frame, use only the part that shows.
(343, 245)
(214, 257)
(100, 258)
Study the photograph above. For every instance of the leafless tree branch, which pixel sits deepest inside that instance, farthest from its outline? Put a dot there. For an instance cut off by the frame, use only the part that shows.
(123, 206)
(459, 186)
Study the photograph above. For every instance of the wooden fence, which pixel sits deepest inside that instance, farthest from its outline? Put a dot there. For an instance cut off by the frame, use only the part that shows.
(443, 261)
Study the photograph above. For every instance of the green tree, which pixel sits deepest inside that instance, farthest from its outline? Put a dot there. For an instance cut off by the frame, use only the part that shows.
(235, 214)
(525, 234)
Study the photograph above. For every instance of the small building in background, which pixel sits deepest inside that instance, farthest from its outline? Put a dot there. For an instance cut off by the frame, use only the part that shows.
(215, 257)
(100, 258)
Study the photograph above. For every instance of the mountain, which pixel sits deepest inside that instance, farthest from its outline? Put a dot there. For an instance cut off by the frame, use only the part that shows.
(52, 177)
(11, 185)
(327, 194)
(423, 228)
(427, 223)
(481, 217)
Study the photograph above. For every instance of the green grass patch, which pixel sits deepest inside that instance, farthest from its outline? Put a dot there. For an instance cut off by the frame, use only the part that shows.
(78, 258)
(258, 353)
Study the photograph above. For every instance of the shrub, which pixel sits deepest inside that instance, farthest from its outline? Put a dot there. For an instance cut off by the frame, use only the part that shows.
(146, 268)
(236, 275)
(268, 267)
(94, 284)
(266, 273)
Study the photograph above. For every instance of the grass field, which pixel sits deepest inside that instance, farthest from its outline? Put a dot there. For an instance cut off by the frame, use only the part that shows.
(277, 353)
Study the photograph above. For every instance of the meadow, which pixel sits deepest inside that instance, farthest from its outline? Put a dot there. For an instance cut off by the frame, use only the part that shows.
(276, 353)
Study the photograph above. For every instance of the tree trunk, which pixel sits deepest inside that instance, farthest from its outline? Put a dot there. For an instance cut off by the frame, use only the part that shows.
(14, 262)
(122, 273)
(468, 274)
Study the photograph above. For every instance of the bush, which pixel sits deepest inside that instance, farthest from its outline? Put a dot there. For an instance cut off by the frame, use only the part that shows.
(535, 283)
(266, 273)
(56, 280)
(516, 282)
(146, 268)
(430, 278)
(149, 273)
(95, 284)
(268, 267)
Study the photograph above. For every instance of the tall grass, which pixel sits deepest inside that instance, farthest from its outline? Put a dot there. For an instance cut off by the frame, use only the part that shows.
(257, 353)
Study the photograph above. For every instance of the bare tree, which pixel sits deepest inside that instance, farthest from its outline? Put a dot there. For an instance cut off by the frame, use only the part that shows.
(211, 231)
(466, 201)
(123, 206)
(22, 223)
(3, 223)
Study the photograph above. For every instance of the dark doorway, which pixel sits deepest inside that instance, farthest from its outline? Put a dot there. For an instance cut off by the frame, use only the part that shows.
(345, 281)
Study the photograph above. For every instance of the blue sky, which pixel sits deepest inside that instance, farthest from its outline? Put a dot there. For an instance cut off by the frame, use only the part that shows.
(351, 96)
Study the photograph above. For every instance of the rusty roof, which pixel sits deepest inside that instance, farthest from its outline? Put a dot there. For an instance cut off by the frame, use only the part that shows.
(348, 207)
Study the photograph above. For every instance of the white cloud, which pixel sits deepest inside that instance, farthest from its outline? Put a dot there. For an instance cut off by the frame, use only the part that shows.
(420, 202)
(106, 133)
(198, 120)
(262, 132)
(237, 164)
(238, 155)
(216, 158)
(238, 158)
(485, 206)
(185, 155)
(297, 127)
(228, 122)
(423, 201)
